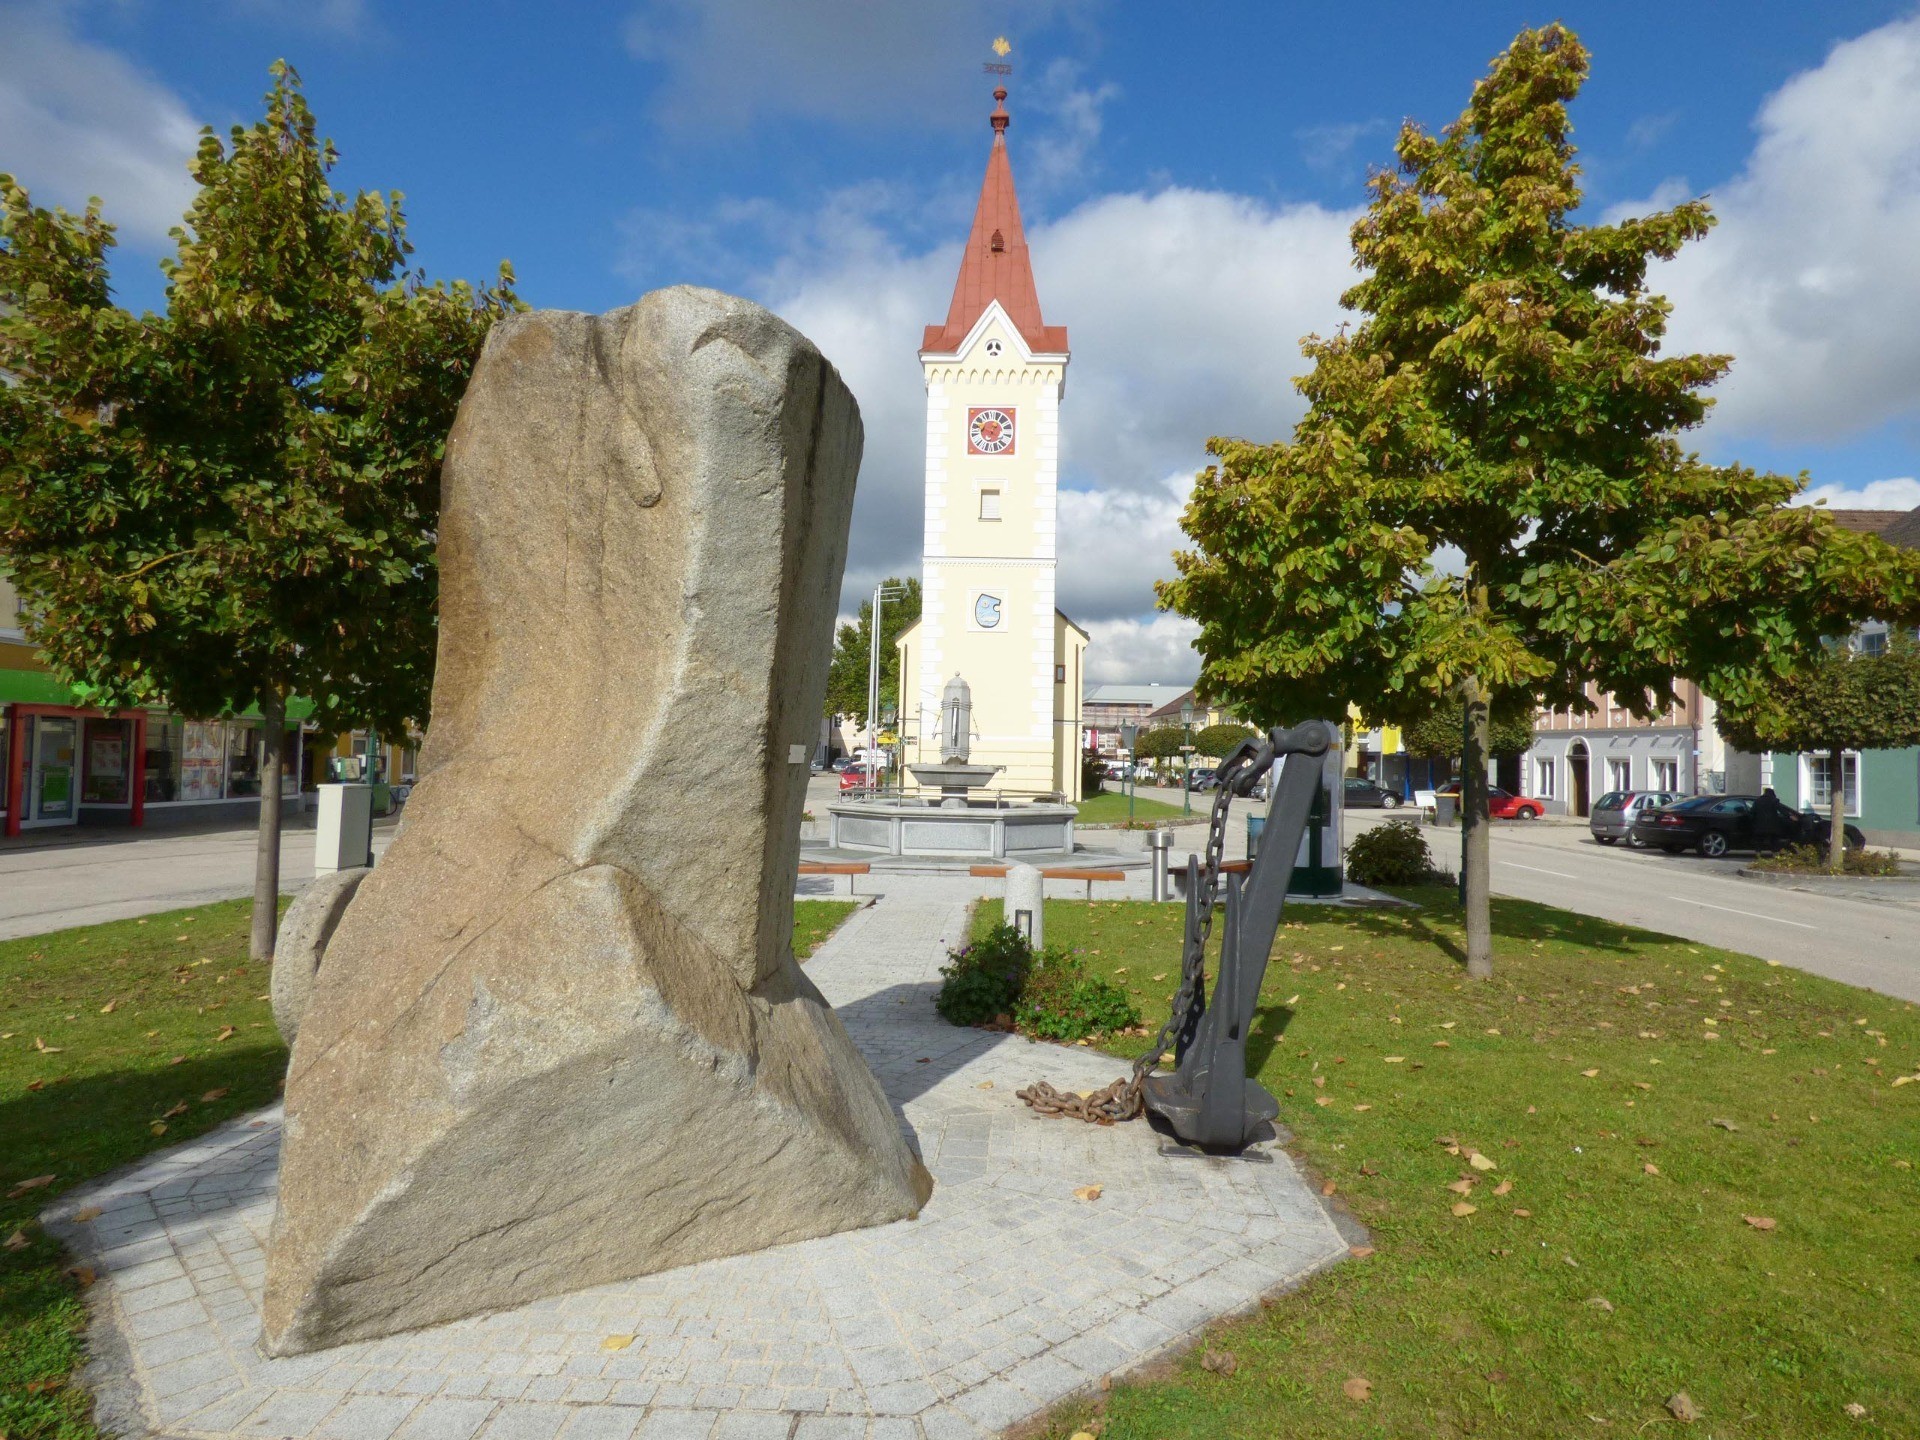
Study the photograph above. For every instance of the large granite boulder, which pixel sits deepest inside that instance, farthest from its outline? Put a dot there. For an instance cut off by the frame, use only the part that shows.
(559, 1037)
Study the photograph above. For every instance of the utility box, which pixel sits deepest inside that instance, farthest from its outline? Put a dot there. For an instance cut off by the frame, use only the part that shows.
(343, 832)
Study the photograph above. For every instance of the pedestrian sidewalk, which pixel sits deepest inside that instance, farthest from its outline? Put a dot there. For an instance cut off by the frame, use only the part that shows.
(1009, 1293)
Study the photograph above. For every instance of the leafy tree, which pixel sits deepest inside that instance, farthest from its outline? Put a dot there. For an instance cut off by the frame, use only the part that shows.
(1217, 741)
(847, 675)
(1438, 733)
(1162, 743)
(1093, 773)
(235, 501)
(1502, 400)
(1841, 700)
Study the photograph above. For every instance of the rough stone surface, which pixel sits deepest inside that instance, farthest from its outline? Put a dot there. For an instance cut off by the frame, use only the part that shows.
(305, 931)
(560, 1037)
(1026, 889)
(1007, 1295)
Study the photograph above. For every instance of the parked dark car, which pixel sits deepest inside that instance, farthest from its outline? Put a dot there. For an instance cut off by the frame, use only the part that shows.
(1718, 824)
(1365, 795)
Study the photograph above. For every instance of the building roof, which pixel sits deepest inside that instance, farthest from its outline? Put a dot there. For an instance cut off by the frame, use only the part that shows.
(1133, 694)
(1868, 522)
(1905, 531)
(995, 265)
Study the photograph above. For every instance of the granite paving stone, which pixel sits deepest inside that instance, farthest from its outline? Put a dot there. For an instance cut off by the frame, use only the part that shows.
(1006, 1295)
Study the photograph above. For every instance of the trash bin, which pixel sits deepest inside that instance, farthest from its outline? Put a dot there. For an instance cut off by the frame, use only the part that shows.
(1256, 823)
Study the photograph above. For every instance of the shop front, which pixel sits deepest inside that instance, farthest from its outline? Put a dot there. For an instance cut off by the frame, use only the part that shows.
(69, 765)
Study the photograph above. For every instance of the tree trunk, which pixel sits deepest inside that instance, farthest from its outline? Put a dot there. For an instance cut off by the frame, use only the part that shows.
(1836, 811)
(1477, 851)
(266, 864)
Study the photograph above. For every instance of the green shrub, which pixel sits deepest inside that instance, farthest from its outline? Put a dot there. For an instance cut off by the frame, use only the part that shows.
(1063, 1002)
(984, 980)
(1394, 853)
(1812, 860)
(1093, 774)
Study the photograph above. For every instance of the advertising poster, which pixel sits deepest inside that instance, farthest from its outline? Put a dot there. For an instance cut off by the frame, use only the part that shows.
(202, 760)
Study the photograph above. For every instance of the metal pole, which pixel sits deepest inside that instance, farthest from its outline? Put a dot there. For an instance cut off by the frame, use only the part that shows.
(1186, 774)
(873, 687)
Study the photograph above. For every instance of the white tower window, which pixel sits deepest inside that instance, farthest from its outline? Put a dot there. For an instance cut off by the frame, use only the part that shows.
(989, 502)
(994, 348)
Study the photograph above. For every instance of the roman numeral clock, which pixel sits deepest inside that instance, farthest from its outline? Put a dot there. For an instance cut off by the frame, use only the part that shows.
(989, 430)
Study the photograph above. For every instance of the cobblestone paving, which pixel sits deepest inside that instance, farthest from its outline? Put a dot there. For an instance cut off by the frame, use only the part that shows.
(1005, 1296)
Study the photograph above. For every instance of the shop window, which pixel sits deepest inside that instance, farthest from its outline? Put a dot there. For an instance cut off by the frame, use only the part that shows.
(104, 754)
(1819, 787)
(243, 761)
(202, 759)
(1619, 774)
(1543, 786)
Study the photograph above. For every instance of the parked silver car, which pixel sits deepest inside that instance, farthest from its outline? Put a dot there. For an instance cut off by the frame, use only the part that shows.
(1614, 813)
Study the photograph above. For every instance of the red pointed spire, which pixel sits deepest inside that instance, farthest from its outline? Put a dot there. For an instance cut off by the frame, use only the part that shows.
(996, 265)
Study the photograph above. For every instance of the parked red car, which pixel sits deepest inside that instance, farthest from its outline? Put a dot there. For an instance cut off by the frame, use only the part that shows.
(1501, 804)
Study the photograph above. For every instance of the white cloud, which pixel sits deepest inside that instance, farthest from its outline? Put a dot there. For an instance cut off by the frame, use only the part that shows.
(1900, 494)
(1143, 651)
(77, 120)
(728, 63)
(1115, 543)
(1810, 279)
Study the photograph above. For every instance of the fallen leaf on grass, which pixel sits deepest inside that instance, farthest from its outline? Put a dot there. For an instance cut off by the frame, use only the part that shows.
(1503, 1187)
(109, 1007)
(1855, 1410)
(1367, 1169)
(1760, 1222)
(16, 1241)
(21, 1187)
(1649, 1169)
(1523, 1214)
(616, 1342)
(1359, 1252)
(1358, 1389)
(1724, 1124)
(1323, 1099)
(1363, 1107)
(1680, 1405)
(177, 1111)
(1589, 1073)
(83, 1275)
(178, 1060)
(221, 1094)
(1462, 1186)
(1087, 1192)
(1443, 1045)
(1462, 1208)
(1220, 1362)
(1328, 1188)
(158, 1127)
(44, 1048)
(1600, 1302)
(226, 1032)
(86, 1213)
(1396, 1059)
(1481, 1162)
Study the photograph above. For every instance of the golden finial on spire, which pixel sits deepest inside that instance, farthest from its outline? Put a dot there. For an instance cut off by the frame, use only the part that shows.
(1001, 47)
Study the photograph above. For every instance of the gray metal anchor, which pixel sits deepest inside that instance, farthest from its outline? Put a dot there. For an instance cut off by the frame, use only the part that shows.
(1209, 1100)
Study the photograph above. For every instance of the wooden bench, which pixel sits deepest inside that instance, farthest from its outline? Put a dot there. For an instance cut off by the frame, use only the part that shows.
(1056, 872)
(848, 868)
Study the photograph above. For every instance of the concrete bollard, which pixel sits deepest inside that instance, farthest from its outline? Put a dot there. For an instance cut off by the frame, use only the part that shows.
(343, 830)
(1024, 908)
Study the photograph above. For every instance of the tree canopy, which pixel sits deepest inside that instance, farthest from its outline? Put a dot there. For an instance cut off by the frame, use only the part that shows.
(1843, 699)
(1161, 743)
(847, 676)
(1217, 741)
(236, 500)
(1437, 732)
(1487, 497)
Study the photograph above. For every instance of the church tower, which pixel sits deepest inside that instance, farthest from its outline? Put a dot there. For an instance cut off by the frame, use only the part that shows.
(995, 374)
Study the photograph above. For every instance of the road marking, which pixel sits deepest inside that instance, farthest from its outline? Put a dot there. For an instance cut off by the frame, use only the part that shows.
(1770, 919)
(1516, 865)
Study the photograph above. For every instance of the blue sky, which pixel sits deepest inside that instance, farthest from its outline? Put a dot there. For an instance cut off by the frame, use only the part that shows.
(1187, 186)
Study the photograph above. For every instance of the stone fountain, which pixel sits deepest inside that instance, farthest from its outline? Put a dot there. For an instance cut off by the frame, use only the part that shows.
(954, 823)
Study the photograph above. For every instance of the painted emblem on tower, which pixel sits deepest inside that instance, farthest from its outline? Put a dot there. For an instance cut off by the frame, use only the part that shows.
(989, 430)
(987, 607)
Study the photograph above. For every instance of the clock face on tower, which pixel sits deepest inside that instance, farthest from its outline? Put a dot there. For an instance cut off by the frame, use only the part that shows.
(989, 430)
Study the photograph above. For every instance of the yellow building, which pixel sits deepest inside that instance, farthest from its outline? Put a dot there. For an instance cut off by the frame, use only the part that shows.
(995, 373)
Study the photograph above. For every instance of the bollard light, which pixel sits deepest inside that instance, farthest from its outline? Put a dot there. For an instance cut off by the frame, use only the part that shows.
(1023, 922)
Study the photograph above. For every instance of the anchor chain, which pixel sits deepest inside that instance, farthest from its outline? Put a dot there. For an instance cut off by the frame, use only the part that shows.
(1122, 1099)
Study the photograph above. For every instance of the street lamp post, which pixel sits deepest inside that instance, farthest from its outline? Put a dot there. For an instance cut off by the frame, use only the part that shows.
(1186, 760)
(881, 594)
(1128, 735)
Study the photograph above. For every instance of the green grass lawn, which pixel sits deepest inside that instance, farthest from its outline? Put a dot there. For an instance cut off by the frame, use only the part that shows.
(117, 1040)
(1109, 807)
(1635, 1139)
(815, 920)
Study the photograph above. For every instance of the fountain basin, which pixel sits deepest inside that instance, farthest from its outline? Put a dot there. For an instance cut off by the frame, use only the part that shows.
(934, 827)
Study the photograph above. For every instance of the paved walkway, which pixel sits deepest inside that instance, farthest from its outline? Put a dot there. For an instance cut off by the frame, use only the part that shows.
(1007, 1295)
